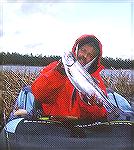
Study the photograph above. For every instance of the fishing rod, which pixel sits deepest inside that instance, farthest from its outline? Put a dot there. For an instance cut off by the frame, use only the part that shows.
(5, 131)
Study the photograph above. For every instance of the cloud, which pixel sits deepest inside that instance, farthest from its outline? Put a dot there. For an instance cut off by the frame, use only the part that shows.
(51, 28)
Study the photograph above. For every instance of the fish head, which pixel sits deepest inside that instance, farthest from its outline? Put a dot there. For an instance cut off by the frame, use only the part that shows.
(68, 59)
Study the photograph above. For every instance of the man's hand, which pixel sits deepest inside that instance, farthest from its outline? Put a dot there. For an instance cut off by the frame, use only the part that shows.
(92, 100)
(20, 112)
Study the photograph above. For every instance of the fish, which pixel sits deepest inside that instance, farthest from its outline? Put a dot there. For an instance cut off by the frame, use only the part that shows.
(87, 85)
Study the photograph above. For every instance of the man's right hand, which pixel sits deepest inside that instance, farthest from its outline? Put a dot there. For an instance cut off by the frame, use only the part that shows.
(92, 100)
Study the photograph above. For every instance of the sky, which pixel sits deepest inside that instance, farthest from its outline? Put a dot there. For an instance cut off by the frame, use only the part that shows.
(50, 28)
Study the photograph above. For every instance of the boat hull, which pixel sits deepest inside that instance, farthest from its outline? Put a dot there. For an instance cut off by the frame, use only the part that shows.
(42, 135)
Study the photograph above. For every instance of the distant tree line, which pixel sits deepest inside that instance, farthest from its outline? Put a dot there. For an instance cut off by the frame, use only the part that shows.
(30, 60)
(117, 63)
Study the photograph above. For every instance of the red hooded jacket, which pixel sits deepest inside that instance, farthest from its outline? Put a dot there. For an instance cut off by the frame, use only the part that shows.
(55, 91)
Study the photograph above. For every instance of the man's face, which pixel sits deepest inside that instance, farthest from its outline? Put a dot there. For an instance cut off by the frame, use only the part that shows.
(85, 54)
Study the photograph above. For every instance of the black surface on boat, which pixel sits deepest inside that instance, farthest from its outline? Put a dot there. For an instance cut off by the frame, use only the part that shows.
(54, 135)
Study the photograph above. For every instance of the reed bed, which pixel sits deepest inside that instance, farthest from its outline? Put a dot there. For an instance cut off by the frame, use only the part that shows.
(11, 82)
(122, 83)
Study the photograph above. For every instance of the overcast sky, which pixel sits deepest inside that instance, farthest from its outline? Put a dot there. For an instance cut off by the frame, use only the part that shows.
(50, 28)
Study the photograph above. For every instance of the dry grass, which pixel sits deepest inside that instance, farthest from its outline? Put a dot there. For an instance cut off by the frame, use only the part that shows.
(122, 83)
(12, 82)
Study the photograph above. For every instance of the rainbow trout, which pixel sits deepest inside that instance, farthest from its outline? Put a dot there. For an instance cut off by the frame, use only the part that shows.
(86, 84)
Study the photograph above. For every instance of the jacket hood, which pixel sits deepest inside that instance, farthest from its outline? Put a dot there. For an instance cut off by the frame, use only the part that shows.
(84, 39)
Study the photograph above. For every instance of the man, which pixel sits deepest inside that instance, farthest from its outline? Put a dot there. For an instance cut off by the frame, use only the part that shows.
(55, 91)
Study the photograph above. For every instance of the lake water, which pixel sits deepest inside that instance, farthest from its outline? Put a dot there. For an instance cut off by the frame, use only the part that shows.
(23, 69)
(33, 69)
(120, 72)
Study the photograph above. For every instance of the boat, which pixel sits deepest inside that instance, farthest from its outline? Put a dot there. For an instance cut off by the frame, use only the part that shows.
(50, 134)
